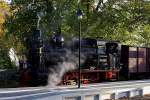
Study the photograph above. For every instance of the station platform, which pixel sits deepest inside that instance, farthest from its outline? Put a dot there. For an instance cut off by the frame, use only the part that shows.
(98, 91)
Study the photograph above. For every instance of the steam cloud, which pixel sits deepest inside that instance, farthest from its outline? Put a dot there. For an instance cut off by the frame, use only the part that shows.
(70, 62)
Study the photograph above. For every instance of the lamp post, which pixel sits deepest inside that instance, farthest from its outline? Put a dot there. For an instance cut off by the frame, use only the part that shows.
(79, 14)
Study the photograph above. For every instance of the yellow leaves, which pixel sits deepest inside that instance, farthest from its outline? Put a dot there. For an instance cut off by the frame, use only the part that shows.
(2, 19)
(4, 11)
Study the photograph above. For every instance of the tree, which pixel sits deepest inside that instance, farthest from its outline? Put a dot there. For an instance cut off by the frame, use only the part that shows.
(126, 21)
(24, 20)
(119, 20)
(4, 9)
(4, 59)
(110, 20)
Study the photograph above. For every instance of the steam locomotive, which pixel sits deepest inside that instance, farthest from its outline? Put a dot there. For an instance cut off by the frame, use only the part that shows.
(102, 60)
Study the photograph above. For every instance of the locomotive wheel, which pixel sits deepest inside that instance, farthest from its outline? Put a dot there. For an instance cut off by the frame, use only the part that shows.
(71, 82)
(70, 79)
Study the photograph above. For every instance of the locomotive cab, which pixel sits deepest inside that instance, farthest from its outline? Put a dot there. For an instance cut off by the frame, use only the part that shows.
(113, 53)
(109, 59)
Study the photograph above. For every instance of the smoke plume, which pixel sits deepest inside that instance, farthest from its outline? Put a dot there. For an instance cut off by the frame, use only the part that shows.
(70, 62)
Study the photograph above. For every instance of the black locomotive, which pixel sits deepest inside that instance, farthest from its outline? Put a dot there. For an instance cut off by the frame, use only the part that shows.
(100, 60)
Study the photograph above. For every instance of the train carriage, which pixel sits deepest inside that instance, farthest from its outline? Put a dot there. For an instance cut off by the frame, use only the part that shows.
(136, 62)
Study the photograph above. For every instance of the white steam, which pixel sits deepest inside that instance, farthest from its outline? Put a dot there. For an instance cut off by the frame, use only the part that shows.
(55, 76)
(56, 72)
(13, 56)
(39, 19)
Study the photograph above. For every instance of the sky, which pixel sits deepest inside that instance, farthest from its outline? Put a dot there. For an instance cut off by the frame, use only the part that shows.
(8, 1)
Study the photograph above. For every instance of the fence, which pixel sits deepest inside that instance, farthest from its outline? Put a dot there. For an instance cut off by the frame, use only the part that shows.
(8, 78)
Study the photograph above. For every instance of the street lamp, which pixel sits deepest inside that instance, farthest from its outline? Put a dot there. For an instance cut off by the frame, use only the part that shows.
(79, 14)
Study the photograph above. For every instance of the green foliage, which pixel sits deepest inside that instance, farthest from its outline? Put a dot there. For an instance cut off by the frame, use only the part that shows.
(4, 9)
(126, 21)
(120, 20)
(5, 62)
